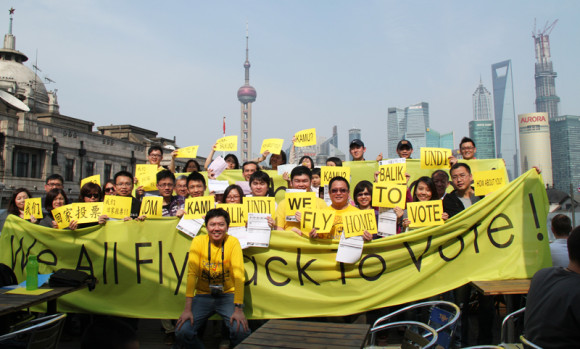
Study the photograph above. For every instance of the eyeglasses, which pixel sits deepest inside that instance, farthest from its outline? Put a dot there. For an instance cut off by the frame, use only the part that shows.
(363, 194)
(461, 176)
(467, 148)
(110, 189)
(92, 196)
(165, 185)
(339, 190)
(155, 155)
(233, 197)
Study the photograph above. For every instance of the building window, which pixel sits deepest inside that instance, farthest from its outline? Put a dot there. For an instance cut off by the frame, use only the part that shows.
(27, 162)
(69, 170)
(89, 168)
(107, 172)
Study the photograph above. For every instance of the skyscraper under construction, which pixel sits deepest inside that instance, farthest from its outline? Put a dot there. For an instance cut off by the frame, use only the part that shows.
(546, 98)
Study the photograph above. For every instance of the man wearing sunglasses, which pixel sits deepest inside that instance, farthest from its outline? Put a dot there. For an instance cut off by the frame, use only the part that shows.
(340, 196)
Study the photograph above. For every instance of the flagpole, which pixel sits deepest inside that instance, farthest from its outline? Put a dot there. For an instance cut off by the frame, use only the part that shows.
(224, 128)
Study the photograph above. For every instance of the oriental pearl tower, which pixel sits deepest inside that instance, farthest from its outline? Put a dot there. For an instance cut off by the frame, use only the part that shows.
(246, 95)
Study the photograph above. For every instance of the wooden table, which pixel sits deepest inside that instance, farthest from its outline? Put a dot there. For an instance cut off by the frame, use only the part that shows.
(14, 302)
(494, 288)
(305, 334)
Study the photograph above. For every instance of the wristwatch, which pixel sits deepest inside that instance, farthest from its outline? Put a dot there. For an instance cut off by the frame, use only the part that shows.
(238, 305)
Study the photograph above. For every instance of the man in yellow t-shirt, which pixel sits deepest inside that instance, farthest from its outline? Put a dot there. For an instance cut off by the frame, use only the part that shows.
(340, 196)
(215, 283)
(300, 178)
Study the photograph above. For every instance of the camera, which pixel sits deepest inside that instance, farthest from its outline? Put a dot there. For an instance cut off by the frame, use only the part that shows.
(216, 289)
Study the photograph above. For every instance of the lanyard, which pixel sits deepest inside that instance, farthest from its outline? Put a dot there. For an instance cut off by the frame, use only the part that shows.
(209, 260)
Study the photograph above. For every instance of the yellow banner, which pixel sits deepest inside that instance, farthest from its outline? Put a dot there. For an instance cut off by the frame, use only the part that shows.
(394, 173)
(425, 213)
(87, 212)
(196, 208)
(390, 195)
(305, 138)
(357, 222)
(117, 206)
(237, 214)
(435, 158)
(33, 207)
(142, 266)
(260, 205)
(273, 145)
(187, 152)
(486, 182)
(228, 143)
(151, 206)
(63, 215)
(146, 176)
(92, 179)
(329, 172)
(321, 220)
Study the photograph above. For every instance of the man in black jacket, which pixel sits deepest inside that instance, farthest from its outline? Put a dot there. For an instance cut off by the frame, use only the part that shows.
(463, 196)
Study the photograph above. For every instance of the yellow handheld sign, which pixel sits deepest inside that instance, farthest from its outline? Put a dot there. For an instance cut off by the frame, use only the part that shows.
(425, 213)
(94, 179)
(62, 216)
(187, 152)
(196, 208)
(356, 222)
(394, 173)
(236, 212)
(298, 201)
(33, 207)
(146, 175)
(152, 206)
(389, 194)
(260, 205)
(305, 138)
(87, 212)
(229, 143)
(435, 157)
(329, 172)
(273, 145)
(117, 206)
(321, 220)
(486, 182)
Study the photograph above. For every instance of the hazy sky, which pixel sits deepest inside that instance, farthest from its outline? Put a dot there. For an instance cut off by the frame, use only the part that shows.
(175, 66)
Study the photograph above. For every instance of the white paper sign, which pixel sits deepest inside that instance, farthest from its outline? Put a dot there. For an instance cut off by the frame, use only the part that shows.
(258, 230)
(245, 187)
(349, 250)
(387, 222)
(216, 186)
(241, 233)
(286, 168)
(392, 161)
(327, 196)
(190, 226)
(218, 166)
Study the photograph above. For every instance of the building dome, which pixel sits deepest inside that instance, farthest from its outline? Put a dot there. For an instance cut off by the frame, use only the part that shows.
(22, 82)
(247, 94)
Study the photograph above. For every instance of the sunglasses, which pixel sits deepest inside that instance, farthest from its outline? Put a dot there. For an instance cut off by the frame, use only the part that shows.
(92, 196)
(339, 190)
(108, 190)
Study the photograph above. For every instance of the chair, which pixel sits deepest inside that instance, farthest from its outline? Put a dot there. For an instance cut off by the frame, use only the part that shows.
(528, 344)
(41, 333)
(507, 326)
(412, 339)
(443, 317)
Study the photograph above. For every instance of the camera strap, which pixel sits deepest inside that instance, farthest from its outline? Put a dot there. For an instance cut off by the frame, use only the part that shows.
(209, 260)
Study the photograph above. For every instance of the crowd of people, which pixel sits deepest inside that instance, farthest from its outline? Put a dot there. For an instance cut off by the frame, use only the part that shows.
(214, 285)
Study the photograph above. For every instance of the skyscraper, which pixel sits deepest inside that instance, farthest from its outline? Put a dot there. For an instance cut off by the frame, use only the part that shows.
(353, 133)
(410, 123)
(246, 95)
(482, 103)
(535, 146)
(481, 131)
(565, 141)
(546, 98)
(506, 135)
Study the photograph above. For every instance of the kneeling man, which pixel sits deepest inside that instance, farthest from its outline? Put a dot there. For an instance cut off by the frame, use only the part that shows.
(216, 275)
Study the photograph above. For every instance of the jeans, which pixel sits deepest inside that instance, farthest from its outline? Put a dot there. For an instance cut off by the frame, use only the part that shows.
(203, 306)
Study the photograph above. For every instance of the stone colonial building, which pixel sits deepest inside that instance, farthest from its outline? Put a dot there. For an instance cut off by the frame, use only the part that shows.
(37, 141)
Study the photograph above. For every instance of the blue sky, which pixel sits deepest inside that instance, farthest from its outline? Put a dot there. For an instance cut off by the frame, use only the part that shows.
(175, 66)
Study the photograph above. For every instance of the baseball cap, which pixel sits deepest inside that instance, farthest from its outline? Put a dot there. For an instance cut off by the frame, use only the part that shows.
(356, 143)
(404, 143)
